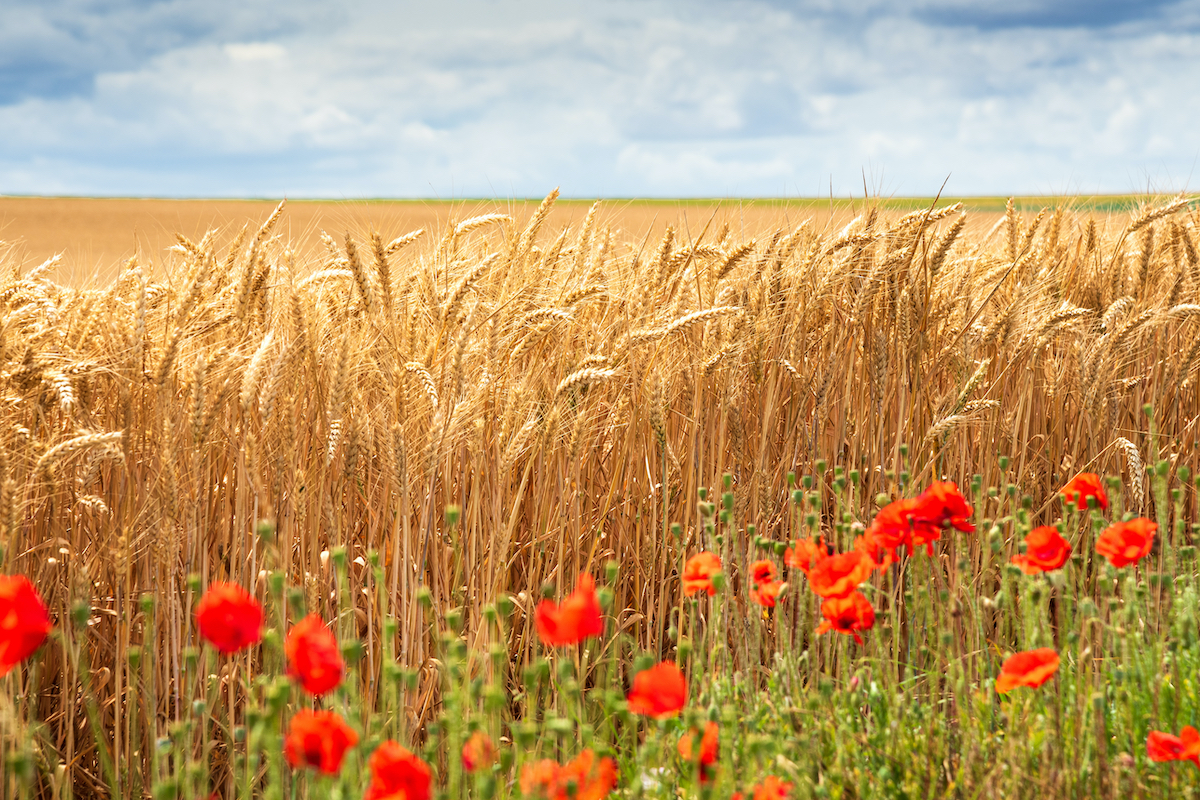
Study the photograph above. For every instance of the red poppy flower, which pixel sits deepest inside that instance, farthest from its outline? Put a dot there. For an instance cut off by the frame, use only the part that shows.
(478, 752)
(848, 615)
(892, 527)
(805, 553)
(24, 621)
(575, 619)
(582, 778)
(397, 774)
(229, 618)
(1045, 550)
(1030, 668)
(1083, 486)
(942, 505)
(698, 573)
(764, 589)
(880, 556)
(1165, 747)
(659, 691)
(318, 739)
(1126, 543)
(704, 758)
(313, 657)
(771, 788)
(841, 574)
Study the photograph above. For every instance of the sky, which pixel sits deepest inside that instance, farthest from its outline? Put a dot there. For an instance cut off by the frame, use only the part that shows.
(647, 98)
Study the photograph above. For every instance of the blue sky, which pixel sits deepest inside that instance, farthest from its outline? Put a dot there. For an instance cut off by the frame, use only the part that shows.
(483, 98)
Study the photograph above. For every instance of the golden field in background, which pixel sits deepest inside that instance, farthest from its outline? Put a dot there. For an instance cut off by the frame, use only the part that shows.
(97, 235)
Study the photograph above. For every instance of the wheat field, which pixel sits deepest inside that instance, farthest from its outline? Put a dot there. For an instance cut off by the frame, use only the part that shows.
(570, 389)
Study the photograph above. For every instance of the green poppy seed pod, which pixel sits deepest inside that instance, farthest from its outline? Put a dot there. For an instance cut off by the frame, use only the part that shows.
(454, 618)
(270, 638)
(724, 517)
(135, 658)
(904, 478)
(855, 477)
(797, 497)
(352, 651)
(703, 493)
(505, 605)
(807, 482)
(718, 581)
(685, 649)
(147, 601)
(822, 466)
(276, 581)
(425, 597)
(676, 530)
(565, 669)
(338, 554)
(1004, 462)
(489, 613)
(193, 582)
(1184, 473)
(80, 611)
(791, 479)
(265, 530)
(452, 515)
(606, 596)
(411, 677)
(780, 548)
(199, 707)
(727, 481)
(373, 557)
(641, 663)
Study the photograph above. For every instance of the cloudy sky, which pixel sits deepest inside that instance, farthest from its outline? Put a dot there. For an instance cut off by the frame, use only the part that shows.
(491, 98)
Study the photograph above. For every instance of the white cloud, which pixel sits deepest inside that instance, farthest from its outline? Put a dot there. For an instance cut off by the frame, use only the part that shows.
(255, 51)
(476, 98)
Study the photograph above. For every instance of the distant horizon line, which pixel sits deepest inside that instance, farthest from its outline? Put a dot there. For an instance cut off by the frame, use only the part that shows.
(1090, 200)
